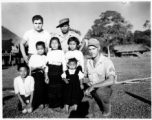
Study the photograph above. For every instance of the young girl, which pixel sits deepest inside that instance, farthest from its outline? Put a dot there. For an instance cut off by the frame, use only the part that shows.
(24, 87)
(37, 65)
(56, 66)
(73, 43)
(72, 90)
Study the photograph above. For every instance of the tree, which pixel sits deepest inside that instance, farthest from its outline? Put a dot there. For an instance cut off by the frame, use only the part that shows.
(147, 25)
(111, 28)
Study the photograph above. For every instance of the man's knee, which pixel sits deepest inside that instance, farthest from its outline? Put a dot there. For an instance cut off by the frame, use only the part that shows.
(104, 93)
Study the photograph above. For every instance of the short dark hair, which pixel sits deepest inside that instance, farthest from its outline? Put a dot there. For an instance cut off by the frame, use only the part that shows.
(22, 65)
(55, 38)
(75, 39)
(72, 60)
(40, 43)
(37, 17)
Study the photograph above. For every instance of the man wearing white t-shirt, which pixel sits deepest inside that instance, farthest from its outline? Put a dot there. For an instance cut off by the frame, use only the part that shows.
(31, 37)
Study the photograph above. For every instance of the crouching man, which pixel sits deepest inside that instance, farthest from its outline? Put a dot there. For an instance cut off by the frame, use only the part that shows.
(101, 76)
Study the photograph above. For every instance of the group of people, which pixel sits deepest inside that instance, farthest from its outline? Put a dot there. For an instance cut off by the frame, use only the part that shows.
(54, 73)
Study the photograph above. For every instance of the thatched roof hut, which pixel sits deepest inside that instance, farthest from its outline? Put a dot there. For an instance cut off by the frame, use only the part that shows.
(8, 38)
(131, 48)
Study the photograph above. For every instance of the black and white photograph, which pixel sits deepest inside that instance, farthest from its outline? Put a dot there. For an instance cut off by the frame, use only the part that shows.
(76, 59)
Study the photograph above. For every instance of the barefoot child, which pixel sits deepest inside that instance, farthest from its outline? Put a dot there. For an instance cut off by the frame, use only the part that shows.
(56, 66)
(72, 89)
(24, 87)
(37, 65)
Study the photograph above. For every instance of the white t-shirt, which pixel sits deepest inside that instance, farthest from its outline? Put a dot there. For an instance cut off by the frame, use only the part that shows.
(75, 54)
(56, 57)
(37, 61)
(32, 37)
(64, 39)
(24, 88)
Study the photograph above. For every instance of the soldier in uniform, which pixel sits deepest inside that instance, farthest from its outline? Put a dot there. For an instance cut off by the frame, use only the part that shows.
(101, 76)
(65, 34)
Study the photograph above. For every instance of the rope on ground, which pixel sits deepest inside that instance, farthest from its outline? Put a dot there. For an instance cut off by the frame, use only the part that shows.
(130, 81)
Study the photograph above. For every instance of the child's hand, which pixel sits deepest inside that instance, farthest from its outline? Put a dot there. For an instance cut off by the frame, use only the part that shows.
(66, 80)
(46, 80)
(81, 86)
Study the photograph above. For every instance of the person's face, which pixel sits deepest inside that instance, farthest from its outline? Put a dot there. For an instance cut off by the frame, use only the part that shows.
(38, 25)
(65, 28)
(40, 50)
(23, 72)
(93, 51)
(72, 65)
(72, 45)
(54, 44)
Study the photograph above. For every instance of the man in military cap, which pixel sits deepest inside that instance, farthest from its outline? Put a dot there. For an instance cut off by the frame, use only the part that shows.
(101, 76)
(65, 34)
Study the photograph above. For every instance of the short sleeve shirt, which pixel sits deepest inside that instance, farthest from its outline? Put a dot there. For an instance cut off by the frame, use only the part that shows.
(37, 61)
(56, 57)
(32, 37)
(24, 88)
(64, 39)
(103, 69)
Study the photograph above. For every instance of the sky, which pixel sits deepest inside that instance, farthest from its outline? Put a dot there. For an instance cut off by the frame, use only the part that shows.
(17, 16)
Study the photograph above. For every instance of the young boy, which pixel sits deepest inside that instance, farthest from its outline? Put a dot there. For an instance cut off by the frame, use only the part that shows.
(24, 87)
(37, 65)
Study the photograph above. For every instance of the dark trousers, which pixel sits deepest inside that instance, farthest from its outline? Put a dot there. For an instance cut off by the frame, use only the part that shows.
(26, 100)
(100, 98)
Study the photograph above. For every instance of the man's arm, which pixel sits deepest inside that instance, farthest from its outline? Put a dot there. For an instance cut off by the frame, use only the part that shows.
(108, 82)
(22, 47)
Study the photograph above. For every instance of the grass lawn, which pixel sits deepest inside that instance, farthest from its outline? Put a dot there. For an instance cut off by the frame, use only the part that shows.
(128, 100)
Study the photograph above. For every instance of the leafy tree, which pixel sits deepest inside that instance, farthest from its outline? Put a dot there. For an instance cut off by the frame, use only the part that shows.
(147, 25)
(111, 28)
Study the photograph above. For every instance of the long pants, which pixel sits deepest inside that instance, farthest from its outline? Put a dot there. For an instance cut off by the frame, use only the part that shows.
(101, 98)
(26, 101)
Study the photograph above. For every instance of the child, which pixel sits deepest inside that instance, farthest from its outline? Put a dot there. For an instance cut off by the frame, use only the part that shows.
(56, 66)
(72, 92)
(73, 43)
(24, 87)
(37, 65)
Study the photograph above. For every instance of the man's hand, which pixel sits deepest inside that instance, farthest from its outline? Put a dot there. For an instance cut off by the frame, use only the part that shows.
(90, 89)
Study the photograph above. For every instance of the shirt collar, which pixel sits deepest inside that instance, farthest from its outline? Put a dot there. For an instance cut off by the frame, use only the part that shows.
(99, 61)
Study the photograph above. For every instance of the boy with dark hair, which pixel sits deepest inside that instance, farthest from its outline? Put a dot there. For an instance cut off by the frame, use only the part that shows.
(24, 88)
(37, 65)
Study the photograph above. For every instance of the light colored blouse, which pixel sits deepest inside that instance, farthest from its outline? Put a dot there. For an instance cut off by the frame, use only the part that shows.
(56, 57)
(37, 61)
(24, 88)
